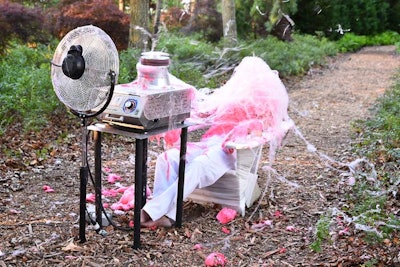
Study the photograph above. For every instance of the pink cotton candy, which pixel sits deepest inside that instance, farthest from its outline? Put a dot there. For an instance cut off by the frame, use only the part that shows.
(127, 200)
(215, 259)
(90, 198)
(291, 228)
(225, 230)
(253, 99)
(110, 192)
(112, 178)
(122, 189)
(226, 215)
(47, 189)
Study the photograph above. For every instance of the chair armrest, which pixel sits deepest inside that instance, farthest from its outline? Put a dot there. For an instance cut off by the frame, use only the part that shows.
(245, 144)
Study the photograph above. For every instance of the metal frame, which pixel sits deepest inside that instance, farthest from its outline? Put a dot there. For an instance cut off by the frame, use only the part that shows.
(141, 141)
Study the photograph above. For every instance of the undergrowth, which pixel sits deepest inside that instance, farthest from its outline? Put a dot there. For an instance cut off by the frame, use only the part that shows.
(371, 201)
(25, 86)
(27, 94)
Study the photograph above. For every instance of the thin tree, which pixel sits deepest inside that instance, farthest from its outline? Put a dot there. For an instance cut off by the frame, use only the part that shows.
(138, 29)
(121, 5)
(229, 23)
(157, 16)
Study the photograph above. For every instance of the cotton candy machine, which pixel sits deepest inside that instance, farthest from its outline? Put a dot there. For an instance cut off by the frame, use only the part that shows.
(155, 99)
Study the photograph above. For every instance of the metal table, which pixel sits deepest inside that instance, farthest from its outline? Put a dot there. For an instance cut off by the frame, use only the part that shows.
(141, 143)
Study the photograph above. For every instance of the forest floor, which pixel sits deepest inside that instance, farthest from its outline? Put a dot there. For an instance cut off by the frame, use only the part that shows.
(39, 228)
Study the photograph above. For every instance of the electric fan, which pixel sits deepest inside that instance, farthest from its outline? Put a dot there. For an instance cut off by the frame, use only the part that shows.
(84, 71)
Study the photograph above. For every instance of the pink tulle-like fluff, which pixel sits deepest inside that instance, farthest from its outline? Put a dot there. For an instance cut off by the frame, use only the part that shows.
(127, 200)
(90, 198)
(215, 259)
(254, 99)
(226, 215)
(48, 189)
(112, 178)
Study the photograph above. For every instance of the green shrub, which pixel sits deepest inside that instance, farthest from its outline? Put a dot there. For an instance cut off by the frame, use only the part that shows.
(351, 42)
(25, 86)
(292, 58)
(127, 65)
(361, 17)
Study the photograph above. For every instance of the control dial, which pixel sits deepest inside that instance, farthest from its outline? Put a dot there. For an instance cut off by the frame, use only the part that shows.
(130, 105)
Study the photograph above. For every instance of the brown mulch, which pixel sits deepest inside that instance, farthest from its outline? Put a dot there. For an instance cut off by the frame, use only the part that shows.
(40, 229)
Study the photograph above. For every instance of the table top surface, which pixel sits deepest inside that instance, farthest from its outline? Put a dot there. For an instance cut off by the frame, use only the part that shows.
(131, 132)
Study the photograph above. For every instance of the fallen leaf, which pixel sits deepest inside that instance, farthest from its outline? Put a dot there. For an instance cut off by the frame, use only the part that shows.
(72, 247)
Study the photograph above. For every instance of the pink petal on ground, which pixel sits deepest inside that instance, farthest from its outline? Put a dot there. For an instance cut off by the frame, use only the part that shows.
(215, 259)
(112, 178)
(290, 228)
(106, 205)
(261, 225)
(345, 231)
(226, 215)
(278, 214)
(107, 170)
(282, 250)
(47, 189)
(90, 198)
(14, 211)
(197, 247)
(225, 230)
(131, 224)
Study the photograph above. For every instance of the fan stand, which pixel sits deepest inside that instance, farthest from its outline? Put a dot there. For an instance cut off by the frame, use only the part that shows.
(84, 169)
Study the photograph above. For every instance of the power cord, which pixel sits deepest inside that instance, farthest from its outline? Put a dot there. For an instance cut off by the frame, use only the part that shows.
(110, 221)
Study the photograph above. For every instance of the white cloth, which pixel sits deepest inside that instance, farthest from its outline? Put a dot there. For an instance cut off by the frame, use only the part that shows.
(206, 162)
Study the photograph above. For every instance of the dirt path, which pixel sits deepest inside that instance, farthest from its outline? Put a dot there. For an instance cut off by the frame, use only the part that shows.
(37, 228)
(323, 105)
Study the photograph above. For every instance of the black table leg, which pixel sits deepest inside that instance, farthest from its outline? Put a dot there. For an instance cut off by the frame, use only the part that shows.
(83, 174)
(144, 172)
(181, 175)
(139, 163)
(97, 176)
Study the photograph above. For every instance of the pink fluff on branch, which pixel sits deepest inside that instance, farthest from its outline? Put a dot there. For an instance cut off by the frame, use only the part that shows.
(215, 259)
(226, 215)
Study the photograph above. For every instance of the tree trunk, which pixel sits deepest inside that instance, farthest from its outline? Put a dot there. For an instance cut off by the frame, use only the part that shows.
(157, 16)
(121, 5)
(138, 29)
(229, 23)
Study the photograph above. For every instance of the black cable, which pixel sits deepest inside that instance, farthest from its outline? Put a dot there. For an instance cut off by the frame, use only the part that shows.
(110, 221)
